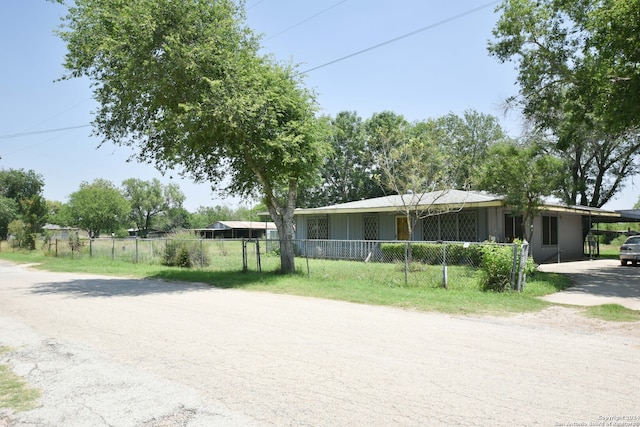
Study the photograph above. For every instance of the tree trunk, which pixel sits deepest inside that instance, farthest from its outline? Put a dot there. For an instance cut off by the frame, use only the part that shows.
(282, 216)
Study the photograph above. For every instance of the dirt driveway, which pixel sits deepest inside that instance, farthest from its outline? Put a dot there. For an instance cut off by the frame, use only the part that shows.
(117, 352)
(597, 282)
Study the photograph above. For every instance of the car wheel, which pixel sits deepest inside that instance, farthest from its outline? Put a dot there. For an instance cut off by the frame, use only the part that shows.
(623, 261)
(634, 263)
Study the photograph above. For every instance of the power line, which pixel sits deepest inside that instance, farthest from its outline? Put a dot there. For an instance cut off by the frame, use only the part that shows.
(38, 132)
(305, 20)
(255, 4)
(404, 36)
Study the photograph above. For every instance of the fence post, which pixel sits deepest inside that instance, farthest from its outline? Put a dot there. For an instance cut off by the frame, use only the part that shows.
(514, 266)
(406, 263)
(113, 247)
(522, 277)
(445, 279)
(136, 249)
(56, 248)
(258, 261)
(244, 256)
(90, 248)
(306, 255)
(201, 254)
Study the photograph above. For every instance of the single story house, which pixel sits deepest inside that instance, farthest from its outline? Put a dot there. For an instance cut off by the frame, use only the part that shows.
(559, 231)
(238, 230)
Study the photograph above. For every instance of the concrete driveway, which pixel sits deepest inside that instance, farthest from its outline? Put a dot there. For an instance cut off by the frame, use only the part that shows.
(602, 281)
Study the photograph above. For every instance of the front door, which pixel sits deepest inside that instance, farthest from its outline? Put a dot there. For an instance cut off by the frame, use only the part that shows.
(402, 228)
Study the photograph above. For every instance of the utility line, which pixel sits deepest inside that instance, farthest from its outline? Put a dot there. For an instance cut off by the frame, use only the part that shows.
(404, 36)
(17, 135)
(305, 20)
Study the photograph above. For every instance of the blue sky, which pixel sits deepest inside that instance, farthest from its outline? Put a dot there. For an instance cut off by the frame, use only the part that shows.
(440, 70)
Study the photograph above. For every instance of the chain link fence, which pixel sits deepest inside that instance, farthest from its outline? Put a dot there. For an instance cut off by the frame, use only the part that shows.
(393, 262)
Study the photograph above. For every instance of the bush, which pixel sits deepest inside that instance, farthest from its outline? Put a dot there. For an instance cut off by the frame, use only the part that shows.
(496, 266)
(179, 252)
(431, 253)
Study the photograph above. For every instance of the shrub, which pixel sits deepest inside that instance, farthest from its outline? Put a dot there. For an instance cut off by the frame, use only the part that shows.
(183, 259)
(431, 253)
(496, 266)
(181, 252)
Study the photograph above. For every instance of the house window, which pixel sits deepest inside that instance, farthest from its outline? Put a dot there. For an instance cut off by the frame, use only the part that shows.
(431, 228)
(512, 227)
(318, 228)
(449, 227)
(370, 224)
(461, 226)
(467, 226)
(549, 230)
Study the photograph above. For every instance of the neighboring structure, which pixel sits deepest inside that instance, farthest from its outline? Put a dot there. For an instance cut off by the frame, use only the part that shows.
(464, 216)
(61, 233)
(238, 229)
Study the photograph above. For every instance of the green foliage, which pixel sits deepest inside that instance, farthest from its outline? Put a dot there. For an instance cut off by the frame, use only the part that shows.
(75, 243)
(8, 212)
(497, 265)
(523, 175)
(18, 230)
(183, 81)
(98, 207)
(613, 313)
(183, 258)
(579, 83)
(20, 198)
(182, 250)
(151, 199)
(431, 253)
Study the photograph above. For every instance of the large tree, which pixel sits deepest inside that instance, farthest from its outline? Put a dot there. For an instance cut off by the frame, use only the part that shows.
(98, 207)
(149, 199)
(348, 169)
(21, 192)
(465, 140)
(579, 77)
(182, 81)
(524, 174)
(409, 162)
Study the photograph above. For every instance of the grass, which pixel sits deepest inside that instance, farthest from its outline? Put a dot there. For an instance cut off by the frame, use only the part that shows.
(14, 393)
(359, 282)
(613, 313)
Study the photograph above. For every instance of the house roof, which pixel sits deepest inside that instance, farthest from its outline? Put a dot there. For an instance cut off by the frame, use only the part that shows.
(444, 200)
(241, 225)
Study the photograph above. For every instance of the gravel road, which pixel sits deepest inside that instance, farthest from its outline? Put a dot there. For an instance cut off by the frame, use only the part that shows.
(120, 352)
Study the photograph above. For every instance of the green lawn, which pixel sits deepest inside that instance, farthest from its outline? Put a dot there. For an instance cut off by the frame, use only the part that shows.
(367, 283)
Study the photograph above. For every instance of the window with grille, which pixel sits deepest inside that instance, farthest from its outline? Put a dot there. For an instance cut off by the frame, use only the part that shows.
(370, 224)
(460, 226)
(431, 228)
(549, 230)
(449, 227)
(317, 228)
(467, 227)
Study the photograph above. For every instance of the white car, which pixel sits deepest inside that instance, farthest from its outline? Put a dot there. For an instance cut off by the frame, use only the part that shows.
(630, 251)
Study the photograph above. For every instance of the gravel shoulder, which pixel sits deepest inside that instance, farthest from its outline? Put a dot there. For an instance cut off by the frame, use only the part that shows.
(118, 352)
